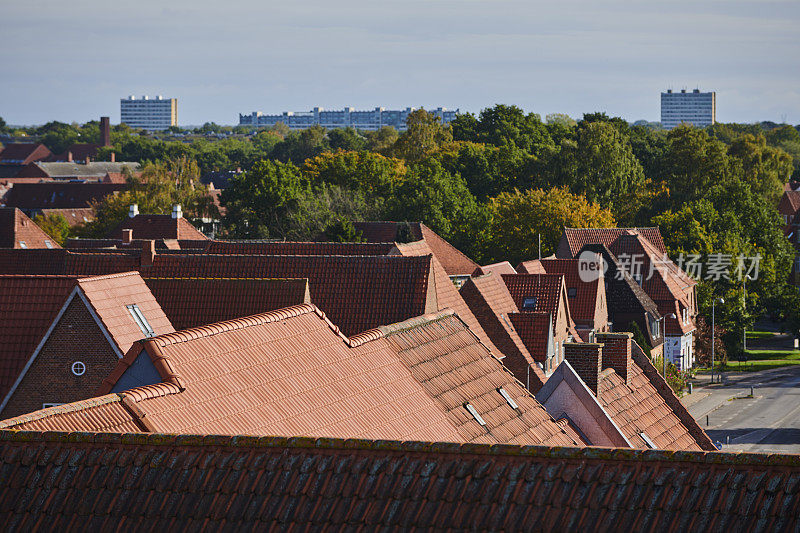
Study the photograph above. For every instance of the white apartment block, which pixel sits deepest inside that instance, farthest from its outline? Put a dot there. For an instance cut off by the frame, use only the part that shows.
(345, 118)
(695, 108)
(149, 114)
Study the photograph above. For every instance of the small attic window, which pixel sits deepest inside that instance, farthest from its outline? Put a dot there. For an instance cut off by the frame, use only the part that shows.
(475, 414)
(23, 244)
(572, 292)
(140, 320)
(646, 439)
(507, 397)
(48, 243)
(529, 304)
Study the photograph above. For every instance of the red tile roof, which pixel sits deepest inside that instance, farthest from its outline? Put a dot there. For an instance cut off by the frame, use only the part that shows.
(191, 302)
(546, 288)
(446, 293)
(59, 195)
(588, 306)
(534, 266)
(23, 153)
(74, 217)
(453, 260)
(573, 239)
(28, 306)
(158, 227)
(291, 372)
(491, 303)
(78, 152)
(109, 297)
(297, 248)
(19, 231)
(789, 203)
(142, 482)
(533, 328)
(646, 404)
(503, 267)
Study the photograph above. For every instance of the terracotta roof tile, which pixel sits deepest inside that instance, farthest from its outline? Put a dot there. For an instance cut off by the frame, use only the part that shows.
(143, 482)
(447, 295)
(109, 297)
(28, 306)
(573, 239)
(491, 303)
(59, 195)
(75, 217)
(190, 302)
(19, 231)
(454, 261)
(532, 328)
(158, 227)
(297, 248)
(587, 304)
(503, 267)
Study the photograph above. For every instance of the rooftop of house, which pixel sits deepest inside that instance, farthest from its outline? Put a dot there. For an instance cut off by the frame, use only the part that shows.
(789, 202)
(573, 239)
(455, 262)
(503, 267)
(307, 483)
(191, 302)
(172, 226)
(59, 195)
(584, 297)
(79, 169)
(492, 305)
(19, 231)
(23, 153)
(75, 216)
(30, 304)
(291, 372)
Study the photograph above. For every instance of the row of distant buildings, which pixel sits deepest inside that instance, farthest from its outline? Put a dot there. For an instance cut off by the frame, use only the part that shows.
(157, 114)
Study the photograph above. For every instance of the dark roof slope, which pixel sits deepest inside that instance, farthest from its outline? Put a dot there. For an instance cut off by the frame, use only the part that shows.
(158, 227)
(191, 302)
(23, 153)
(59, 195)
(19, 231)
(142, 482)
(28, 305)
(451, 258)
(298, 248)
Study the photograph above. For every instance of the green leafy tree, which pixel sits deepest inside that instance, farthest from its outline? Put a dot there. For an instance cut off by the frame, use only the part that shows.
(517, 219)
(424, 134)
(160, 186)
(54, 225)
(764, 167)
(346, 139)
(381, 141)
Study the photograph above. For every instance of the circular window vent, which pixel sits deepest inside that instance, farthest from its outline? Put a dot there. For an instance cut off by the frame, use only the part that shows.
(78, 368)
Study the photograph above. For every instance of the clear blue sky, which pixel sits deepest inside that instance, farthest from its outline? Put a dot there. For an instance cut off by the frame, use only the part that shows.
(73, 61)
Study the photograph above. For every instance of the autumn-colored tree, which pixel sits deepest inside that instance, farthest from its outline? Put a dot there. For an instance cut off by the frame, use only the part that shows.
(517, 219)
(702, 342)
(55, 225)
(425, 133)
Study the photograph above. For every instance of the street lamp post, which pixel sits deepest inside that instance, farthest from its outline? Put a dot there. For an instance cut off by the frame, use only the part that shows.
(713, 332)
(744, 307)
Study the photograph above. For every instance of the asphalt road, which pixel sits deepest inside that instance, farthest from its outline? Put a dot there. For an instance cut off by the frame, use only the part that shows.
(769, 422)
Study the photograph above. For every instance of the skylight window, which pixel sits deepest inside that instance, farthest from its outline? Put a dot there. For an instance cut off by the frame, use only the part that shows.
(140, 320)
(572, 292)
(529, 304)
(48, 243)
(23, 244)
(474, 412)
(507, 397)
(646, 439)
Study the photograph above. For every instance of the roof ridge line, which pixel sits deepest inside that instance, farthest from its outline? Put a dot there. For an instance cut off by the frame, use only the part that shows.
(197, 332)
(71, 407)
(108, 276)
(417, 321)
(196, 278)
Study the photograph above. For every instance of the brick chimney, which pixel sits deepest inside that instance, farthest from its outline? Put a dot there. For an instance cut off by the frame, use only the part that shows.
(617, 352)
(113, 157)
(586, 358)
(134, 210)
(127, 236)
(148, 253)
(69, 157)
(88, 160)
(105, 131)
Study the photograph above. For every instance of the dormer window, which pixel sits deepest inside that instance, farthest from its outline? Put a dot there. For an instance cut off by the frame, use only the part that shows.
(529, 304)
(572, 292)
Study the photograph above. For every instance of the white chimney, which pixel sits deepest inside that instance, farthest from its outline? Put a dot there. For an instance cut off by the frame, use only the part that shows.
(134, 210)
(176, 211)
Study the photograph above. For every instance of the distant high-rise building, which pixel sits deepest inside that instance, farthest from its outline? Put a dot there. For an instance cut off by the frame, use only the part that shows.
(695, 108)
(157, 114)
(345, 118)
